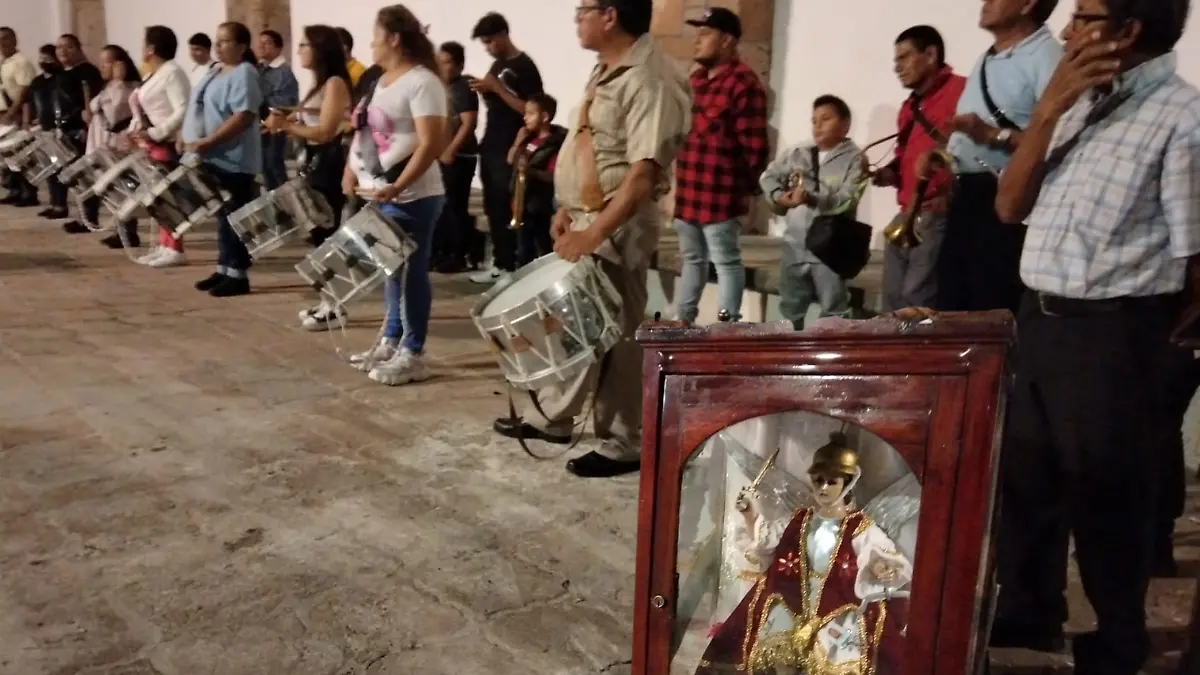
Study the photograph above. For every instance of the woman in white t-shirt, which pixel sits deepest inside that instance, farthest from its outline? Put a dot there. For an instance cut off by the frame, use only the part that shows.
(393, 160)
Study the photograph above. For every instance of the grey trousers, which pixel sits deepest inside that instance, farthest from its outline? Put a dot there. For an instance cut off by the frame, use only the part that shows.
(803, 281)
(910, 277)
(617, 409)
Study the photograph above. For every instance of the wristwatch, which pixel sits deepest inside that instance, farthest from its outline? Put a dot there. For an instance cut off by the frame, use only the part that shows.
(1002, 138)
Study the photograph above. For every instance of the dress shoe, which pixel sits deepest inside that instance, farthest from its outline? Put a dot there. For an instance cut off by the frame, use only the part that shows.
(75, 227)
(593, 465)
(113, 241)
(230, 287)
(210, 282)
(510, 427)
(1019, 635)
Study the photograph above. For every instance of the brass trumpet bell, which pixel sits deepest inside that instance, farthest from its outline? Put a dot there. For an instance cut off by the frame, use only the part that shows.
(902, 232)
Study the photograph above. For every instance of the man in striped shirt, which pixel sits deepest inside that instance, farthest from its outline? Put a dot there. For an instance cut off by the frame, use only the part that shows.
(1107, 178)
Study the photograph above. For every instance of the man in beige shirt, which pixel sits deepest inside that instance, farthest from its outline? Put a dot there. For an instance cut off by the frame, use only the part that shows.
(16, 74)
(611, 172)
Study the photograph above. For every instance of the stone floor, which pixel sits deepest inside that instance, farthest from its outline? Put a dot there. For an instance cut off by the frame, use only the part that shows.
(193, 486)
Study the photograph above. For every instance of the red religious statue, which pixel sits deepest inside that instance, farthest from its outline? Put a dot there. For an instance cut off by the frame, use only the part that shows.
(832, 599)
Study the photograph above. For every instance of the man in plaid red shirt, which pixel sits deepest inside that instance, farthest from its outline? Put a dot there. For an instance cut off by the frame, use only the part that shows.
(716, 172)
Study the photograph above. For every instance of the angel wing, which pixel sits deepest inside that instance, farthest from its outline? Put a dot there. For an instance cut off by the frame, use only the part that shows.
(780, 492)
(895, 510)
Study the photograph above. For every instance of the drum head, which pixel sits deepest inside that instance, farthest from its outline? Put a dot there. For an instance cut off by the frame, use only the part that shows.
(529, 285)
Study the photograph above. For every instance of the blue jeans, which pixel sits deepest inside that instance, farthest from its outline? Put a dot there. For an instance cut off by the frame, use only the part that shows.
(407, 301)
(697, 245)
(274, 160)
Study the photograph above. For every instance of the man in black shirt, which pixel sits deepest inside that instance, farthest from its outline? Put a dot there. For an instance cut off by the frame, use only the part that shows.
(457, 242)
(75, 86)
(40, 100)
(512, 80)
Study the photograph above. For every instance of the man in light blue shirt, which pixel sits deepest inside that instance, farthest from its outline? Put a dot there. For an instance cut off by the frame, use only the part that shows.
(222, 129)
(1107, 179)
(977, 266)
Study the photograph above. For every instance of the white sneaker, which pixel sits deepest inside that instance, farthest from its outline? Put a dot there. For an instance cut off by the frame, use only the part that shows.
(403, 368)
(375, 356)
(305, 313)
(168, 257)
(149, 257)
(488, 276)
(323, 317)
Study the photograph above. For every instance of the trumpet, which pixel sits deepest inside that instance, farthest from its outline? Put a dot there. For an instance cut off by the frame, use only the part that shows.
(902, 232)
(518, 202)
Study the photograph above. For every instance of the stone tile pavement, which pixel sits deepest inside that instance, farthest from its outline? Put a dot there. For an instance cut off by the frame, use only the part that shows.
(191, 485)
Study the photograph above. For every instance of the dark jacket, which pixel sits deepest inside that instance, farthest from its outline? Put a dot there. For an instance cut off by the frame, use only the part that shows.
(539, 194)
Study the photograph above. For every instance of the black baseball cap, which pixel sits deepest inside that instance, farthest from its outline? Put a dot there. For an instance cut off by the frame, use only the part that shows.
(719, 18)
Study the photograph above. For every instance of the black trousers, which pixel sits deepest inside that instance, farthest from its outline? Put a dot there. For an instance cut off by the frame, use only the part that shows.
(58, 192)
(1181, 377)
(1082, 451)
(496, 175)
(533, 239)
(456, 238)
(978, 267)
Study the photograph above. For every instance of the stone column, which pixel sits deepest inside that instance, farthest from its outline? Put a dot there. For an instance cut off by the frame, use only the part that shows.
(260, 15)
(87, 22)
(676, 37)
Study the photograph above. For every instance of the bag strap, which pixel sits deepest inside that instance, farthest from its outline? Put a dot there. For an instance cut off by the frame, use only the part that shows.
(816, 165)
(993, 109)
(590, 192)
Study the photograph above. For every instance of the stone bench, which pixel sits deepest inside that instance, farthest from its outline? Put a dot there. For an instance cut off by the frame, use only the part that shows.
(761, 258)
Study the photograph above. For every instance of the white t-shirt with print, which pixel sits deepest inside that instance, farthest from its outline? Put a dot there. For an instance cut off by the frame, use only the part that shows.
(390, 118)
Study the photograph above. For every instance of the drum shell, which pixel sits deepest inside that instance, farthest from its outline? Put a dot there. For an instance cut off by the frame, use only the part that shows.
(558, 333)
(376, 245)
(265, 224)
(183, 198)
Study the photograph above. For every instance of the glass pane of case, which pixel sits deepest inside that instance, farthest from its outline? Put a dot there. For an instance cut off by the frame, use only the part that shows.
(796, 540)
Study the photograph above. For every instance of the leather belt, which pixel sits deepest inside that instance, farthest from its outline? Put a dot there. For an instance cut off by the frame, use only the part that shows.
(1055, 305)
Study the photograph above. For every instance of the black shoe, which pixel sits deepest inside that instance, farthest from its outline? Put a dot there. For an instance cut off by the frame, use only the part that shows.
(230, 287)
(450, 266)
(75, 227)
(53, 213)
(210, 282)
(515, 428)
(593, 465)
(11, 199)
(113, 241)
(1016, 635)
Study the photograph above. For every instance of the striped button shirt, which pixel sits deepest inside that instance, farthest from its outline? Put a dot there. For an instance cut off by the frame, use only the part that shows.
(1120, 213)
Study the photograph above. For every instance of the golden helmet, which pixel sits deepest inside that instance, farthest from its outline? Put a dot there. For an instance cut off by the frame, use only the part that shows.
(835, 458)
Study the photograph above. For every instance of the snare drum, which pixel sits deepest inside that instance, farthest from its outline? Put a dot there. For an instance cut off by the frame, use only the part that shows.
(183, 198)
(550, 321)
(120, 187)
(12, 144)
(265, 224)
(358, 257)
(43, 158)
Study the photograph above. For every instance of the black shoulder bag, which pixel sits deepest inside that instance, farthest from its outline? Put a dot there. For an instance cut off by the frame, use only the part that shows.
(993, 109)
(840, 242)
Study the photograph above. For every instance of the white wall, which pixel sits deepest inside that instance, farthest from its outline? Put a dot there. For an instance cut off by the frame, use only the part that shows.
(126, 22)
(36, 22)
(849, 53)
(543, 28)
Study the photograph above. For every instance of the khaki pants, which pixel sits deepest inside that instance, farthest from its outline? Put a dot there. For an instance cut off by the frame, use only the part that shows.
(617, 412)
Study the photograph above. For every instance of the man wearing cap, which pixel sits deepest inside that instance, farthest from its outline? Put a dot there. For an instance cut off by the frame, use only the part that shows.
(716, 173)
(609, 176)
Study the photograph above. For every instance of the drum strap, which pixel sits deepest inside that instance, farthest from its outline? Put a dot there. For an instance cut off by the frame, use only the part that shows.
(581, 425)
(590, 192)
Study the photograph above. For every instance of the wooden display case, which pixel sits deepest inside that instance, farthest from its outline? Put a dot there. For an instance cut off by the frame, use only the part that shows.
(931, 391)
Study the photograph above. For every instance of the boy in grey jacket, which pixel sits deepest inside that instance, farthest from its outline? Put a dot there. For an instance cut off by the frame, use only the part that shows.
(800, 194)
